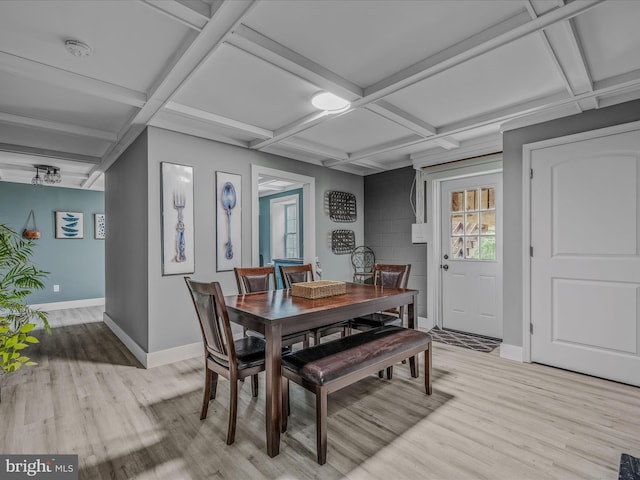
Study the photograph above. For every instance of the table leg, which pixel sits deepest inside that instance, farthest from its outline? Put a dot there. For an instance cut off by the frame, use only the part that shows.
(411, 313)
(273, 393)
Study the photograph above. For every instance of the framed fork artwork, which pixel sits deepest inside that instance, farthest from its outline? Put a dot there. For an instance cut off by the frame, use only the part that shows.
(178, 245)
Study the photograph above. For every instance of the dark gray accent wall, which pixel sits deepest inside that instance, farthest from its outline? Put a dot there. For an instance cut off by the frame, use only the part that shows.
(513, 142)
(127, 200)
(77, 265)
(387, 226)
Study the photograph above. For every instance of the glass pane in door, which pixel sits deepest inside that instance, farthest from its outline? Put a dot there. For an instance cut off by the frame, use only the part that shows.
(457, 201)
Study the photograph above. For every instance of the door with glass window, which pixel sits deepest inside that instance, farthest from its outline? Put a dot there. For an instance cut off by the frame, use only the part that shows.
(471, 255)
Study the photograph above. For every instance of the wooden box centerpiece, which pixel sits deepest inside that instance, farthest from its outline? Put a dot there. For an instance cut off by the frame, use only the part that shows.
(318, 289)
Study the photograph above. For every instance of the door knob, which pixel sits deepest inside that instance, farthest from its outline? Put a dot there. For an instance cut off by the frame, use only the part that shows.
(445, 267)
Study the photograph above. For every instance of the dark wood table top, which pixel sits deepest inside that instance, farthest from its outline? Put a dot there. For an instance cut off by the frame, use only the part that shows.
(255, 310)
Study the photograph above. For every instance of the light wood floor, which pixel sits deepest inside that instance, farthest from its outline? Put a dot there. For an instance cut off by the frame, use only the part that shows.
(487, 418)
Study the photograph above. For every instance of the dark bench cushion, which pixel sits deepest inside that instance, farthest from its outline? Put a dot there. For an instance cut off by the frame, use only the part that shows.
(323, 363)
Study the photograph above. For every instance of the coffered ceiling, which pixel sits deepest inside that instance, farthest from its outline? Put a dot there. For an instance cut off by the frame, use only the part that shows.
(429, 81)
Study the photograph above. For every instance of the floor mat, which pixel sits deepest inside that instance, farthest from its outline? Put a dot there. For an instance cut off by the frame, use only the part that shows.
(629, 467)
(465, 340)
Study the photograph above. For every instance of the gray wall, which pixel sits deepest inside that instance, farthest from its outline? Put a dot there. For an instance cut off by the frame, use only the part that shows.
(388, 219)
(76, 265)
(126, 198)
(512, 161)
(171, 318)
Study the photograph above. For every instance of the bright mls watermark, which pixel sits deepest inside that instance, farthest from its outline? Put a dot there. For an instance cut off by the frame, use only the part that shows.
(50, 467)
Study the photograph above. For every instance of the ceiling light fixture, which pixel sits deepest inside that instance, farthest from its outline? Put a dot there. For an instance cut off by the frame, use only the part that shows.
(329, 102)
(77, 48)
(50, 177)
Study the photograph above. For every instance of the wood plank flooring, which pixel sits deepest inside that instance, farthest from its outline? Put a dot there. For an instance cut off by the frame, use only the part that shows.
(488, 418)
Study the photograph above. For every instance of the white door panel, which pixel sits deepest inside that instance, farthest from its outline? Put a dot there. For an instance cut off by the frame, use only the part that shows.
(472, 255)
(585, 272)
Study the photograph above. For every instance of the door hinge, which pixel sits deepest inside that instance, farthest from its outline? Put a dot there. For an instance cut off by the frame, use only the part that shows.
(531, 328)
(531, 251)
(531, 173)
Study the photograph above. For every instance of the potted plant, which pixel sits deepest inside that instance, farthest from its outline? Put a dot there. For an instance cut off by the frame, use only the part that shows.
(18, 278)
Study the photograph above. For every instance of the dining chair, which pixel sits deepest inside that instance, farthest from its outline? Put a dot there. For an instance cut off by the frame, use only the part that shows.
(262, 279)
(233, 359)
(385, 275)
(291, 274)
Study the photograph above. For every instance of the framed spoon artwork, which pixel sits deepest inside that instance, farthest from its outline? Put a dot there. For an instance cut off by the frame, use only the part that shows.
(177, 219)
(228, 221)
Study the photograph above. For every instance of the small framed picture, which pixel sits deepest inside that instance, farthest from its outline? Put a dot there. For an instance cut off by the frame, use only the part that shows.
(98, 226)
(69, 225)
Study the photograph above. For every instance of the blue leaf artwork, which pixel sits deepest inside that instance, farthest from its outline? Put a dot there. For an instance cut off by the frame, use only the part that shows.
(69, 225)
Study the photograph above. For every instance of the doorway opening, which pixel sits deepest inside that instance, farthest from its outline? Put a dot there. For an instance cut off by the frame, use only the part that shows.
(283, 223)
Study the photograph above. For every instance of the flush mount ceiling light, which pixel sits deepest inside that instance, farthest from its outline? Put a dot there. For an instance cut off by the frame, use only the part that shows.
(77, 48)
(329, 102)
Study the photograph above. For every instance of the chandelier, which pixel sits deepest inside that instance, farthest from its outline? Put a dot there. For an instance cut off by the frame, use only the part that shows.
(50, 175)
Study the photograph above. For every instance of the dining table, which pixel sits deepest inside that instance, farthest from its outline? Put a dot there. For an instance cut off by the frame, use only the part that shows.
(278, 312)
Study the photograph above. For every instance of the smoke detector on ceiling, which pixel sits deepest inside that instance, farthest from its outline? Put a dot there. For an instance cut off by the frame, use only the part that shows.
(78, 48)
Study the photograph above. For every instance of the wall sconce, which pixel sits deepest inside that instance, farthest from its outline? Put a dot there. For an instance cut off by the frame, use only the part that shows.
(51, 175)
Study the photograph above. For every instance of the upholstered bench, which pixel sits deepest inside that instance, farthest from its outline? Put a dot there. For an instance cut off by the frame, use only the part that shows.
(330, 366)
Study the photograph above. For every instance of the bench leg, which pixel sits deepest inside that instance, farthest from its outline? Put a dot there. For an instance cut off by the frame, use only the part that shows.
(286, 407)
(389, 373)
(321, 425)
(413, 365)
(254, 385)
(427, 371)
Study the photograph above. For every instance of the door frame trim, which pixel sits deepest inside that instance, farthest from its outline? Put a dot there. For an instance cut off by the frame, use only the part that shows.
(434, 177)
(308, 209)
(527, 153)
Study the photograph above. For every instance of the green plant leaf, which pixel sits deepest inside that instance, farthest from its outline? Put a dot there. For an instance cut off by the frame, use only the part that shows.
(27, 328)
(20, 346)
(31, 339)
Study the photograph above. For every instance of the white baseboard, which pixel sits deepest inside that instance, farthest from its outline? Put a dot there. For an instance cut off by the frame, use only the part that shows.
(154, 359)
(87, 302)
(425, 323)
(175, 354)
(511, 352)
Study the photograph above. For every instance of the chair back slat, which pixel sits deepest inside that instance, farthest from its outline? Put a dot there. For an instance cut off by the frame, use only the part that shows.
(387, 275)
(255, 279)
(296, 274)
(211, 311)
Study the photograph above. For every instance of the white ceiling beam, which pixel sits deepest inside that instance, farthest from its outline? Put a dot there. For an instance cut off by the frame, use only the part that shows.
(399, 116)
(372, 165)
(512, 29)
(315, 148)
(273, 52)
(58, 127)
(218, 120)
(475, 147)
(576, 81)
(448, 143)
(227, 16)
(193, 15)
(293, 128)
(77, 83)
(42, 152)
(376, 150)
(176, 122)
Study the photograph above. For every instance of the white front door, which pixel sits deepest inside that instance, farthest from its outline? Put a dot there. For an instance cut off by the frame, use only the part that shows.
(585, 269)
(471, 254)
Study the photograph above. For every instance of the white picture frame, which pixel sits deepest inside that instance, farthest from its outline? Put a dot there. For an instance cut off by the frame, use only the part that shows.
(69, 225)
(178, 228)
(228, 203)
(99, 226)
